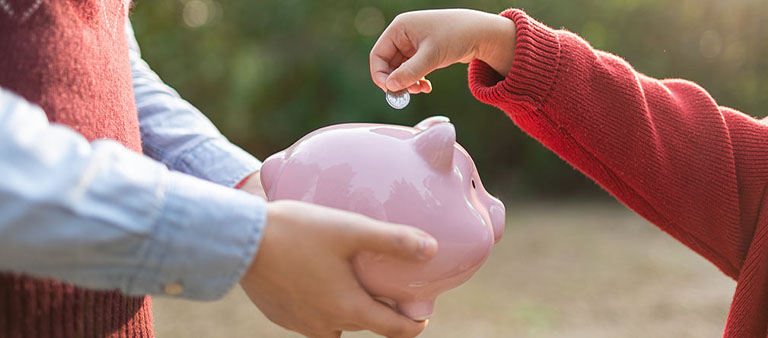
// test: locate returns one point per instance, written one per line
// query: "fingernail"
(427, 247)
(392, 84)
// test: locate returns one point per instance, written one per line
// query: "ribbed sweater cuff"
(533, 71)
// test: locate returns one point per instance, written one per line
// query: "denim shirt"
(101, 216)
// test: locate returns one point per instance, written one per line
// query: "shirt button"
(173, 289)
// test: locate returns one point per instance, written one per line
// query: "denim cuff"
(202, 243)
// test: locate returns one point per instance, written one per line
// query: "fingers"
(423, 86)
(379, 71)
(426, 86)
(381, 58)
(363, 233)
(400, 61)
(412, 69)
(397, 240)
(381, 319)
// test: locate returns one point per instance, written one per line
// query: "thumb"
(397, 240)
(412, 70)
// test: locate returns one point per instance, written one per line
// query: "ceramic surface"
(414, 176)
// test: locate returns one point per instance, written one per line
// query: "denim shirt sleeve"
(178, 134)
(99, 215)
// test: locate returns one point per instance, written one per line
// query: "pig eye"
(473, 185)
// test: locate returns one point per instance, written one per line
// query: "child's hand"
(302, 277)
(416, 43)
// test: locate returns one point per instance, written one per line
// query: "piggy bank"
(413, 176)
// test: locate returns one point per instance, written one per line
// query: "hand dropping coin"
(399, 99)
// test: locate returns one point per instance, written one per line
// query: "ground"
(586, 269)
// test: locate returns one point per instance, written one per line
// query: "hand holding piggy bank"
(414, 176)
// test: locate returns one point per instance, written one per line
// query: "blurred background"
(267, 72)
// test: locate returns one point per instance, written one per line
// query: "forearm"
(176, 133)
(497, 43)
(101, 216)
(664, 148)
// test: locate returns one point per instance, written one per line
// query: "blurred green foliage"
(269, 71)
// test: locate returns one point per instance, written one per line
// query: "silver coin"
(398, 100)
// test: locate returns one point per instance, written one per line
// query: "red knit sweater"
(662, 147)
(71, 58)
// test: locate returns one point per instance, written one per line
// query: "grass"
(562, 270)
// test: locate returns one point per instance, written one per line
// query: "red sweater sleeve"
(662, 147)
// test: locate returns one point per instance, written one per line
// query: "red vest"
(71, 58)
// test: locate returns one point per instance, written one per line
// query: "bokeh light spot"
(197, 13)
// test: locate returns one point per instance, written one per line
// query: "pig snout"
(497, 214)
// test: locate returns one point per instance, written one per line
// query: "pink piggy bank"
(414, 176)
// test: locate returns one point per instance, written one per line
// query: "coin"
(398, 100)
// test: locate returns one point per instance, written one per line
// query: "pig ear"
(431, 121)
(435, 145)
